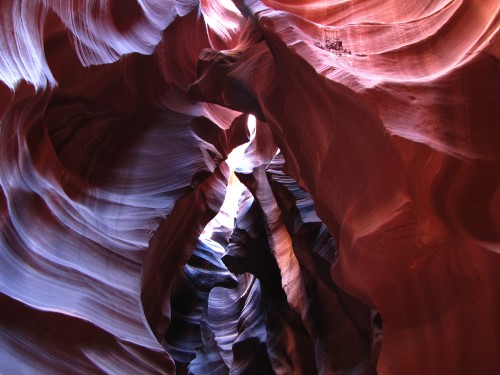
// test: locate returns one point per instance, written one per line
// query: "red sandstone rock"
(115, 121)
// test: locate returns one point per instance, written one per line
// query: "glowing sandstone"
(115, 120)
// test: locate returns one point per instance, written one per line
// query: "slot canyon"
(215, 187)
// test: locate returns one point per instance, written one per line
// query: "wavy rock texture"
(365, 237)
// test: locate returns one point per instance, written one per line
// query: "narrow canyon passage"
(249, 187)
(268, 235)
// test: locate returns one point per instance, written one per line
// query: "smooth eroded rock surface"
(249, 187)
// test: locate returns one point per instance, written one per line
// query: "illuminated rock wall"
(366, 239)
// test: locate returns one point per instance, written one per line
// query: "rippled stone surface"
(366, 235)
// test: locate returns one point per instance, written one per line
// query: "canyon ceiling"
(250, 187)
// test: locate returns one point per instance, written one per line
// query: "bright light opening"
(229, 209)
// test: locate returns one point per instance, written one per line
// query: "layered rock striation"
(249, 187)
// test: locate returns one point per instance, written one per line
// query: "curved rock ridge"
(339, 325)
(189, 301)
(268, 328)
(402, 205)
(249, 187)
(90, 168)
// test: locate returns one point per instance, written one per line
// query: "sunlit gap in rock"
(229, 209)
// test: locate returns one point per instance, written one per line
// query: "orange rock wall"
(368, 233)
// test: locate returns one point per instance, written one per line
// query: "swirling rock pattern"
(367, 243)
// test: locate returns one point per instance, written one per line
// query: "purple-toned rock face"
(249, 187)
